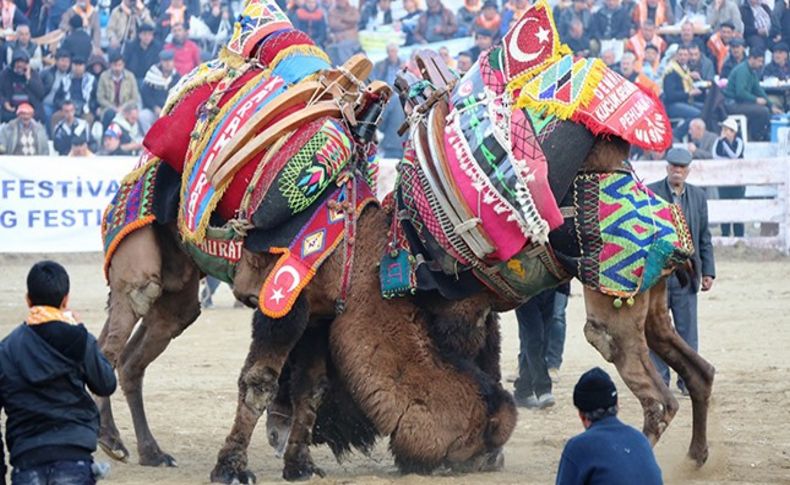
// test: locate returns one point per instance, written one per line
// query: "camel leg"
(619, 335)
(279, 414)
(135, 280)
(272, 342)
(696, 372)
(170, 315)
(309, 384)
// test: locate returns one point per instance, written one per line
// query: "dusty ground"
(745, 333)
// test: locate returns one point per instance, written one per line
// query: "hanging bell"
(630, 301)
(618, 303)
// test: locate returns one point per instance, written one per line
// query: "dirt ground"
(744, 331)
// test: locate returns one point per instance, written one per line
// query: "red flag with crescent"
(531, 42)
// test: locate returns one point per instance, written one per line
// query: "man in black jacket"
(611, 22)
(694, 203)
(140, 55)
(45, 364)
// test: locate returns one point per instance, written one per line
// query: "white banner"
(55, 204)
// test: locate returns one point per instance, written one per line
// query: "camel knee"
(599, 337)
(501, 422)
(142, 297)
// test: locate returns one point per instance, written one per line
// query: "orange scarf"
(85, 14)
(492, 24)
(43, 314)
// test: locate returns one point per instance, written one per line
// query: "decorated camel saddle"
(490, 174)
(266, 147)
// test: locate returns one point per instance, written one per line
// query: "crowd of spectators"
(90, 76)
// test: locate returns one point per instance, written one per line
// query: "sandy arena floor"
(745, 333)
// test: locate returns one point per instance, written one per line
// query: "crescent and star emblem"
(277, 294)
(514, 49)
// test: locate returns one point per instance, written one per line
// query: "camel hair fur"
(425, 395)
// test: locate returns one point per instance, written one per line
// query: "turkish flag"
(531, 42)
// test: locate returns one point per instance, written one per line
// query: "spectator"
(683, 298)
(535, 318)
(408, 23)
(577, 39)
(610, 59)
(124, 21)
(652, 59)
(435, 24)
(778, 67)
(729, 146)
(611, 22)
(646, 36)
(489, 19)
(343, 20)
(630, 71)
(23, 42)
(577, 11)
(444, 54)
(186, 53)
(81, 90)
(722, 12)
(464, 62)
(90, 20)
(19, 83)
(701, 140)
(77, 43)
(608, 451)
(158, 81)
(687, 37)
(57, 81)
(656, 10)
(68, 128)
(679, 92)
(391, 143)
(46, 362)
(97, 64)
(111, 144)
(466, 16)
(140, 55)
(758, 26)
(127, 125)
(782, 19)
(745, 95)
(690, 8)
(175, 14)
(484, 39)
(512, 11)
(12, 17)
(386, 70)
(55, 12)
(375, 14)
(79, 148)
(116, 88)
(311, 20)
(736, 55)
(719, 44)
(23, 135)
(218, 14)
(700, 66)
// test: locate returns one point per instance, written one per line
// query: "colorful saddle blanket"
(131, 208)
(628, 237)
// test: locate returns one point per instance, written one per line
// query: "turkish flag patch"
(531, 42)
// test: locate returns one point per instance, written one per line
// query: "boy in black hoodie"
(45, 364)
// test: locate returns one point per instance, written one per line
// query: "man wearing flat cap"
(609, 451)
(683, 299)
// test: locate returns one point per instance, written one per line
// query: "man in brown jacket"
(343, 34)
(117, 87)
(436, 24)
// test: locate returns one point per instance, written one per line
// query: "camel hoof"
(302, 472)
(114, 449)
(699, 456)
(158, 459)
(221, 475)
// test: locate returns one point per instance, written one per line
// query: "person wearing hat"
(111, 143)
(158, 81)
(608, 452)
(57, 81)
(50, 365)
(736, 53)
(143, 53)
(23, 135)
(694, 204)
(117, 87)
(19, 84)
(778, 68)
(730, 146)
(744, 95)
